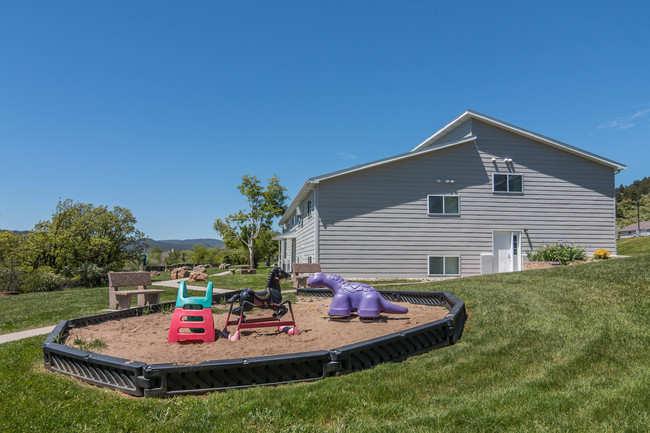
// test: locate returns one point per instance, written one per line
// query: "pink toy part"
(191, 326)
(234, 337)
(289, 330)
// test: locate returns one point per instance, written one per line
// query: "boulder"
(200, 269)
(154, 273)
(197, 276)
(180, 273)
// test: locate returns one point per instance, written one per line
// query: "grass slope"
(634, 246)
(564, 349)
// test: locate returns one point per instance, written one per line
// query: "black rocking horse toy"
(271, 298)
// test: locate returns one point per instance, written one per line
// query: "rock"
(197, 276)
(154, 273)
(200, 269)
(224, 266)
(180, 273)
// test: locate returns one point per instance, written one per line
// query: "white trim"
(443, 204)
(523, 187)
(519, 264)
(469, 114)
(316, 220)
(444, 274)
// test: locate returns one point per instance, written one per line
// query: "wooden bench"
(122, 298)
(303, 268)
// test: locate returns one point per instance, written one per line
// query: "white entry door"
(507, 251)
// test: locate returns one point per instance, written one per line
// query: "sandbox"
(135, 357)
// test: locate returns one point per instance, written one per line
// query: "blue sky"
(161, 107)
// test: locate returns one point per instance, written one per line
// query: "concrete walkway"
(6, 338)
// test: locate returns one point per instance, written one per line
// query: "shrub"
(559, 252)
(43, 279)
(236, 256)
(601, 254)
(91, 275)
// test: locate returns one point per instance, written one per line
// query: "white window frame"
(508, 183)
(443, 204)
(444, 274)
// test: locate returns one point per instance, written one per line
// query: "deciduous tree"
(264, 204)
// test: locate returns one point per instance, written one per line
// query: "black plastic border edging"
(160, 380)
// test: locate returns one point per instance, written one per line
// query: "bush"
(91, 275)
(236, 257)
(559, 252)
(43, 279)
(601, 254)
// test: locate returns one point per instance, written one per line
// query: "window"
(284, 249)
(444, 204)
(308, 259)
(298, 219)
(444, 265)
(309, 207)
(507, 182)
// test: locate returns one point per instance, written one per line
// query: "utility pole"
(638, 220)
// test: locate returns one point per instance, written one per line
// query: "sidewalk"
(6, 338)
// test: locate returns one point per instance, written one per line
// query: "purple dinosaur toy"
(349, 297)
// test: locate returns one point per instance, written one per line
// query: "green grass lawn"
(634, 246)
(562, 349)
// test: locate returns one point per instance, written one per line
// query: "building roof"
(645, 225)
(434, 143)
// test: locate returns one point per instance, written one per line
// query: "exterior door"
(293, 253)
(507, 251)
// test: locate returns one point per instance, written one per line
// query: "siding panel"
(374, 223)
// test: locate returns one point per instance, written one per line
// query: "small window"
(298, 219)
(444, 265)
(444, 204)
(309, 207)
(308, 259)
(507, 183)
(284, 249)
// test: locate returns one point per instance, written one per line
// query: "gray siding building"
(471, 199)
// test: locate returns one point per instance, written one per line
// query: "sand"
(144, 338)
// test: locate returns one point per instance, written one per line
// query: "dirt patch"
(144, 338)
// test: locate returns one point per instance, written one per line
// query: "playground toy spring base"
(274, 321)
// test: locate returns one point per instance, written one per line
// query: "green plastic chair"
(193, 302)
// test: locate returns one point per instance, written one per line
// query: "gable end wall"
(374, 223)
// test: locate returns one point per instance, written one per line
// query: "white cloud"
(627, 122)
(346, 156)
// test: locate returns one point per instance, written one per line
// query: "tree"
(264, 204)
(173, 258)
(201, 254)
(265, 245)
(154, 255)
(81, 233)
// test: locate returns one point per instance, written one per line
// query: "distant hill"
(183, 244)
